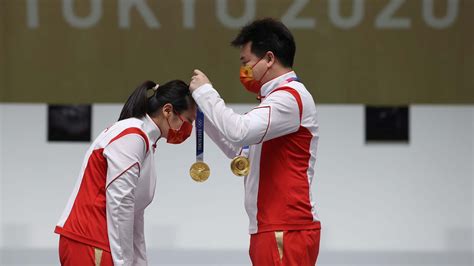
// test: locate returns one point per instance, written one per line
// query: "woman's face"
(188, 115)
(175, 120)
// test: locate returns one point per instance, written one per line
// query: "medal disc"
(240, 166)
(199, 171)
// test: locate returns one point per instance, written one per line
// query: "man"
(282, 133)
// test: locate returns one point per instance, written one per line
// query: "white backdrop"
(415, 197)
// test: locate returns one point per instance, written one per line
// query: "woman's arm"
(124, 156)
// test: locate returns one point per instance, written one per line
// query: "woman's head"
(170, 105)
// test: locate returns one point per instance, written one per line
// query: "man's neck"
(275, 73)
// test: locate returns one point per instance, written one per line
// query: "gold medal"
(240, 166)
(200, 171)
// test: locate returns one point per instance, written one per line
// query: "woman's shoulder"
(120, 129)
(124, 124)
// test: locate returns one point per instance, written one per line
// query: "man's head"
(267, 46)
(268, 35)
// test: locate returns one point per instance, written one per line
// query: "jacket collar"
(275, 83)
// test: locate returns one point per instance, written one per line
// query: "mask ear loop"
(259, 97)
(180, 118)
(260, 80)
(264, 73)
(257, 62)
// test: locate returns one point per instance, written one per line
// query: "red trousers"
(287, 248)
(73, 253)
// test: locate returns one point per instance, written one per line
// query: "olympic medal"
(240, 166)
(200, 171)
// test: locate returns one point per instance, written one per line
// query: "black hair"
(141, 102)
(268, 35)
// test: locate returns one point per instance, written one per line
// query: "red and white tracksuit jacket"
(283, 136)
(116, 183)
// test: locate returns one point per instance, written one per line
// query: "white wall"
(375, 197)
(397, 197)
(472, 194)
(1, 174)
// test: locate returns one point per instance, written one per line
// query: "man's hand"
(197, 80)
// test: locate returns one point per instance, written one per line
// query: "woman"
(103, 220)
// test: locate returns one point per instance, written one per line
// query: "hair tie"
(156, 87)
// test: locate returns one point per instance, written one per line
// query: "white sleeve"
(229, 149)
(123, 170)
(285, 114)
(278, 115)
(139, 246)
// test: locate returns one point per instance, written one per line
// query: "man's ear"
(270, 58)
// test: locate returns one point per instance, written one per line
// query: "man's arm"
(278, 115)
(229, 149)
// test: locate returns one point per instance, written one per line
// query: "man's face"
(247, 58)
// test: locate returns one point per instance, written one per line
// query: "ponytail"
(136, 105)
(141, 102)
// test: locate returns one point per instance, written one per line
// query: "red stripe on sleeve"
(133, 130)
(296, 95)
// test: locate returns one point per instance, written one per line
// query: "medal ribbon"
(199, 135)
(290, 80)
(244, 151)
